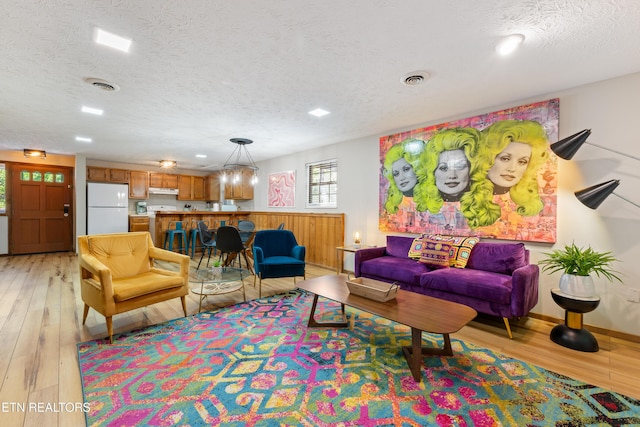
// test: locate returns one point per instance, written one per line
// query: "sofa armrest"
(91, 267)
(524, 289)
(298, 252)
(173, 257)
(363, 255)
(258, 255)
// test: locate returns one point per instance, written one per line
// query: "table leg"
(415, 353)
(312, 323)
(201, 297)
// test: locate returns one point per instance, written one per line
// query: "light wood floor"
(41, 323)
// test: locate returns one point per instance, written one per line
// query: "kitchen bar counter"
(188, 218)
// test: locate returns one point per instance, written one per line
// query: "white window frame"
(332, 165)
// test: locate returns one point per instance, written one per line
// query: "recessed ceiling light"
(83, 139)
(202, 156)
(105, 38)
(96, 111)
(319, 112)
(509, 44)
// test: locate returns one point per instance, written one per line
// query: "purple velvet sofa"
(498, 279)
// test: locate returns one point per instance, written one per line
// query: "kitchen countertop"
(202, 213)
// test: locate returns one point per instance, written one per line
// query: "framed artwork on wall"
(282, 190)
(491, 175)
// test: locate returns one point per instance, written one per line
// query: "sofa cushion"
(126, 254)
(393, 269)
(479, 284)
(503, 258)
(435, 253)
(398, 246)
(144, 284)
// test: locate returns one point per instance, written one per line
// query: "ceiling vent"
(102, 84)
(415, 78)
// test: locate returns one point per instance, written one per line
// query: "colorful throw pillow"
(435, 253)
(415, 252)
(460, 248)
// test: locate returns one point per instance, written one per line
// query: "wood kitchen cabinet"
(191, 187)
(97, 174)
(242, 189)
(212, 188)
(138, 223)
(138, 185)
(100, 174)
(163, 180)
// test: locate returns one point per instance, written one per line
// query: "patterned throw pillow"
(460, 248)
(416, 248)
(435, 253)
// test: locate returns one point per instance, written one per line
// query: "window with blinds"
(322, 184)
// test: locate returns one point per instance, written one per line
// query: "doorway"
(41, 209)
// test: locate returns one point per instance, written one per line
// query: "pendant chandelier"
(234, 166)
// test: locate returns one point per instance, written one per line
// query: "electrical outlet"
(633, 295)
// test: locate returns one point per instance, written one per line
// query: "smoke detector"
(102, 84)
(415, 78)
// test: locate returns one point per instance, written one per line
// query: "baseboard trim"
(595, 329)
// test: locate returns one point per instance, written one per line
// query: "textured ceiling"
(201, 72)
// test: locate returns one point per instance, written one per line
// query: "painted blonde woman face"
(510, 165)
(404, 176)
(452, 172)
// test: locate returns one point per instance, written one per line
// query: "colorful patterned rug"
(257, 364)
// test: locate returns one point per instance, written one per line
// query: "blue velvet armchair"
(276, 253)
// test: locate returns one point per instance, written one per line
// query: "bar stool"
(193, 235)
(175, 229)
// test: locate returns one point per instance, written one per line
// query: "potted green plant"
(577, 264)
(217, 269)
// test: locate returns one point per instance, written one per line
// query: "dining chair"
(192, 239)
(229, 243)
(207, 241)
(246, 228)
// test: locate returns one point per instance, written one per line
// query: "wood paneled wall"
(319, 233)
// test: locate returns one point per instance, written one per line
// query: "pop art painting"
(491, 175)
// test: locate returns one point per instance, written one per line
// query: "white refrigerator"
(107, 208)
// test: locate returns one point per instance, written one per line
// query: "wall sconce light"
(593, 196)
(40, 154)
(567, 147)
(356, 239)
(168, 164)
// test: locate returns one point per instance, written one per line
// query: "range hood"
(170, 191)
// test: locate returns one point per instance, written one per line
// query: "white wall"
(609, 108)
(4, 235)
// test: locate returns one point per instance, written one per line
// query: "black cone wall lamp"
(593, 196)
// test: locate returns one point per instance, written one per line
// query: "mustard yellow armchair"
(118, 274)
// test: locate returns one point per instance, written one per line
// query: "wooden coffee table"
(419, 312)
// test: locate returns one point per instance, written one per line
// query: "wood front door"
(41, 210)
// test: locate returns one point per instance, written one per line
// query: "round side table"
(572, 334)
